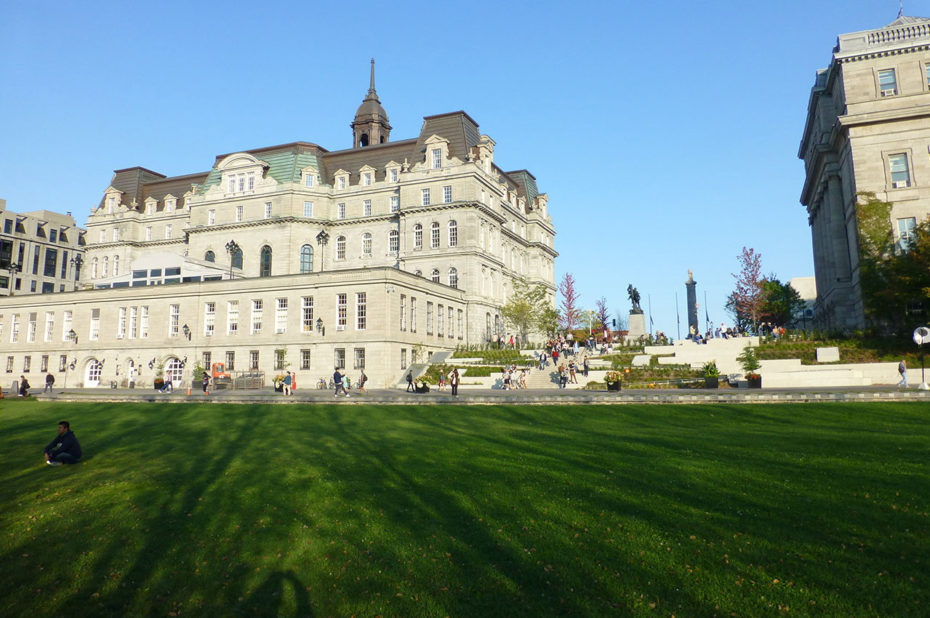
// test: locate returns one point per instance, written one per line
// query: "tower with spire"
(371, 125)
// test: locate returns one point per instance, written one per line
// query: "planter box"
(615, 386)
(711, 382)
(755, 382)
(159, 384)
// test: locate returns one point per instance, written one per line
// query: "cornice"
(881, 53)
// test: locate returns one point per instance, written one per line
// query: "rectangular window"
(168, 231)
(253, 359)
(115, 234)
(341, 311)
(251, 181)
(424, 197)
(413, 314)
(447, 194)
(27, 364)
(35, 261)
(9, 364)
(51, 262)
(306, 314)
(267, 210)
(257, 309)
(887, 83)
(341, 210)
(900, 171)
(439, 321)
(144, 322)
(241, 179)
(927, 71)
(64, 264)
(148, 233)
(31, 328)
(361, 311)
(102, 236)
(66, 326)
(121, 323)
(232, 317)
(436, 158)
(174, 320)
(339, 357)
(429, 318)
(133, 322)
(403, 358)
(53, 235)
(280, 316)
(395, 203)
(403, 312)
(359, 361)
(62, 362)
(230, 360)
(94, 324)
(366, 208)
(209, 319)
(211, 217)
(906, 230)
(453, 233)
(341, 182)
(49, 325)
(308, 179)
(206, 361)
(393, 175)
(450, 333)
(238, 214)
(14, 328)
(366, 179)
(308, 209)
(305, 359)
(43, 364)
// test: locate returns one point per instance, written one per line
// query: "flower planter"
(613, 386)
(159, 384)
(711, 382)
(755, 382)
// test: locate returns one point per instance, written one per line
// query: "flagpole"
(677, 316)
(706, 314)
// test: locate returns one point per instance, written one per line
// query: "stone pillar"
(691, 287)
(637, 325)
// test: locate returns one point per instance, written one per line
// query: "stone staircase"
(418, 369)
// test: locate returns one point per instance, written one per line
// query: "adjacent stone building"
(296, 257)
(867, 130)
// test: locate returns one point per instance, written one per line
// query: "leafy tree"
(781, 301)
(747, 299)
(527, 308)
(570, 313)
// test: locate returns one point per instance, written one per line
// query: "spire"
(371, 125)
(371, 88)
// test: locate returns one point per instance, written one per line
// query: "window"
(43, 363)
(453, 278)
(308, 209)
(305, 359)
(906, 229)
(927, 71)
(424, 197)
(393, 175)
(393, 241)
(417, 236)
(341, 311)
(341, 210)
(211, 217)
(232, 317)
(366, 179)
(265, 263)
(359, 358)
(209, 256)
(366, 244)
(453, 234)
(341, 182)
(366, 208)
(403, 312)
(257, 309)
(115, 234)
(62, 362)
(308, 179)
(102, 236)
(106, 266)
(94, 324)
(133, 322)
(168, 231)
(230, 360)
(206, 360)
(487, 326)
(449, 325)
(439, 320)
(49, 325)
(27, 364)
(395, 203)
(435, 158)
(253, 359)
(280, 316)
(306, 314)
(209, 319)
(429, 318)
(280, 359)
(341, 248)
(14, 328)
(434, 235)
(93, 269)
(236, 259)
(267, 210)
(51, 262)
(9, 364)
(306, 259)
(238, 214)
(900, 171)
(169, 204)
(447, 194)
(434, 276)
(111, 202)
(339, 357)
(144, 322)
(413, 314)
(66, 326)
(121, 323)
(361, 311)
(251, 181)
(174, 320)
(148, 233)
(887, 83)
(403, 358)
(115, 265)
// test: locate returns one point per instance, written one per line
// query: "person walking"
(442, 380)
(586, 365)
(337, 380)
(205, 382)
(410, 388)
(23, 386)
(571, 372)
(49, 382)
(902, 370)
(287, 384)
(454, 381)
(361, 382)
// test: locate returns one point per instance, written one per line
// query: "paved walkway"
(498, 397)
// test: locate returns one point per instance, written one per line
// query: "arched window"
(175, 370)
(209, 256)
(434, 235)
(434, 276)
(417, 236)
(453, 234)
(394, 241)
(93, 269)
(106, 266)
(341, 248)
(236, 259)
(306, 259)
(487, 326)
(366, 244)
(265, 262)
(115, 265)
(453, 278)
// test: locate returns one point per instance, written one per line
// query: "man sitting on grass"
(64, 448)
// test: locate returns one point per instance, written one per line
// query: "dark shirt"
(66, 443)
(337, 377)
(49, 379)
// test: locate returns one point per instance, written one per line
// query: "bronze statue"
(634, 298)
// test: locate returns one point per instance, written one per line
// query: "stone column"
(691, 287)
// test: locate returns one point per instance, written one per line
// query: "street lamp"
(319, 327)
(187, 331)
(76, 261)
(232, 248)
(322, 238)
(14, 268)
(72, 336)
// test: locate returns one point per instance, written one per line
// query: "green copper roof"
(284, 166)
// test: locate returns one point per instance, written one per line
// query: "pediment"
(240, 160)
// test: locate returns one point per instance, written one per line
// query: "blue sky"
(665, 133)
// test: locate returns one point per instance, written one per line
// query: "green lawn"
(467, 511)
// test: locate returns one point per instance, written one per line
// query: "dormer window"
(394, 174)
(342, 180)
(111, 204)
(435, 158)
(366, 179)
(170, 203)
(308, 180)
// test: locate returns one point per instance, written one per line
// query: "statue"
(634, 298)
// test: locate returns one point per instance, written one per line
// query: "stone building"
(297, 257)
(40, 252)
(867, 130)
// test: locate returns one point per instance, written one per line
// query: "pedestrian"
(454, 381)
(523, 379)
(337, 380)
(571, 372)
(49, 382)
(410, 388)
(205, 382)
(902, 370)
(23, 386)
(287, 384)
(361, 382)
(442, 380)
(586, 365)
(506, 379)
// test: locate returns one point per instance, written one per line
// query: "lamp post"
(232, 248)
(73, 338)
(322, 238)
(187, 331)
(14, 268)
(77, 261)
(320, 328)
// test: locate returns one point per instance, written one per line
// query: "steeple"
(371, 125)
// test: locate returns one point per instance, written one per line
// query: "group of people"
(453, 381)
(511, 380)
(341, 382)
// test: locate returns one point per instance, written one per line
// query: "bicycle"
(321, 385)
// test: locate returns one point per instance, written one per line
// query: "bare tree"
(749, 296)
(602, 314)
(569, 306)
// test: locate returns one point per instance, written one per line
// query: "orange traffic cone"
(188, 391)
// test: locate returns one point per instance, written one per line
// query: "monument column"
(691, 287)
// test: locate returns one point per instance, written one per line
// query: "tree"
(747, 299)
(570, 313)
(601, 313)
(527, 308)
(781, 301)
